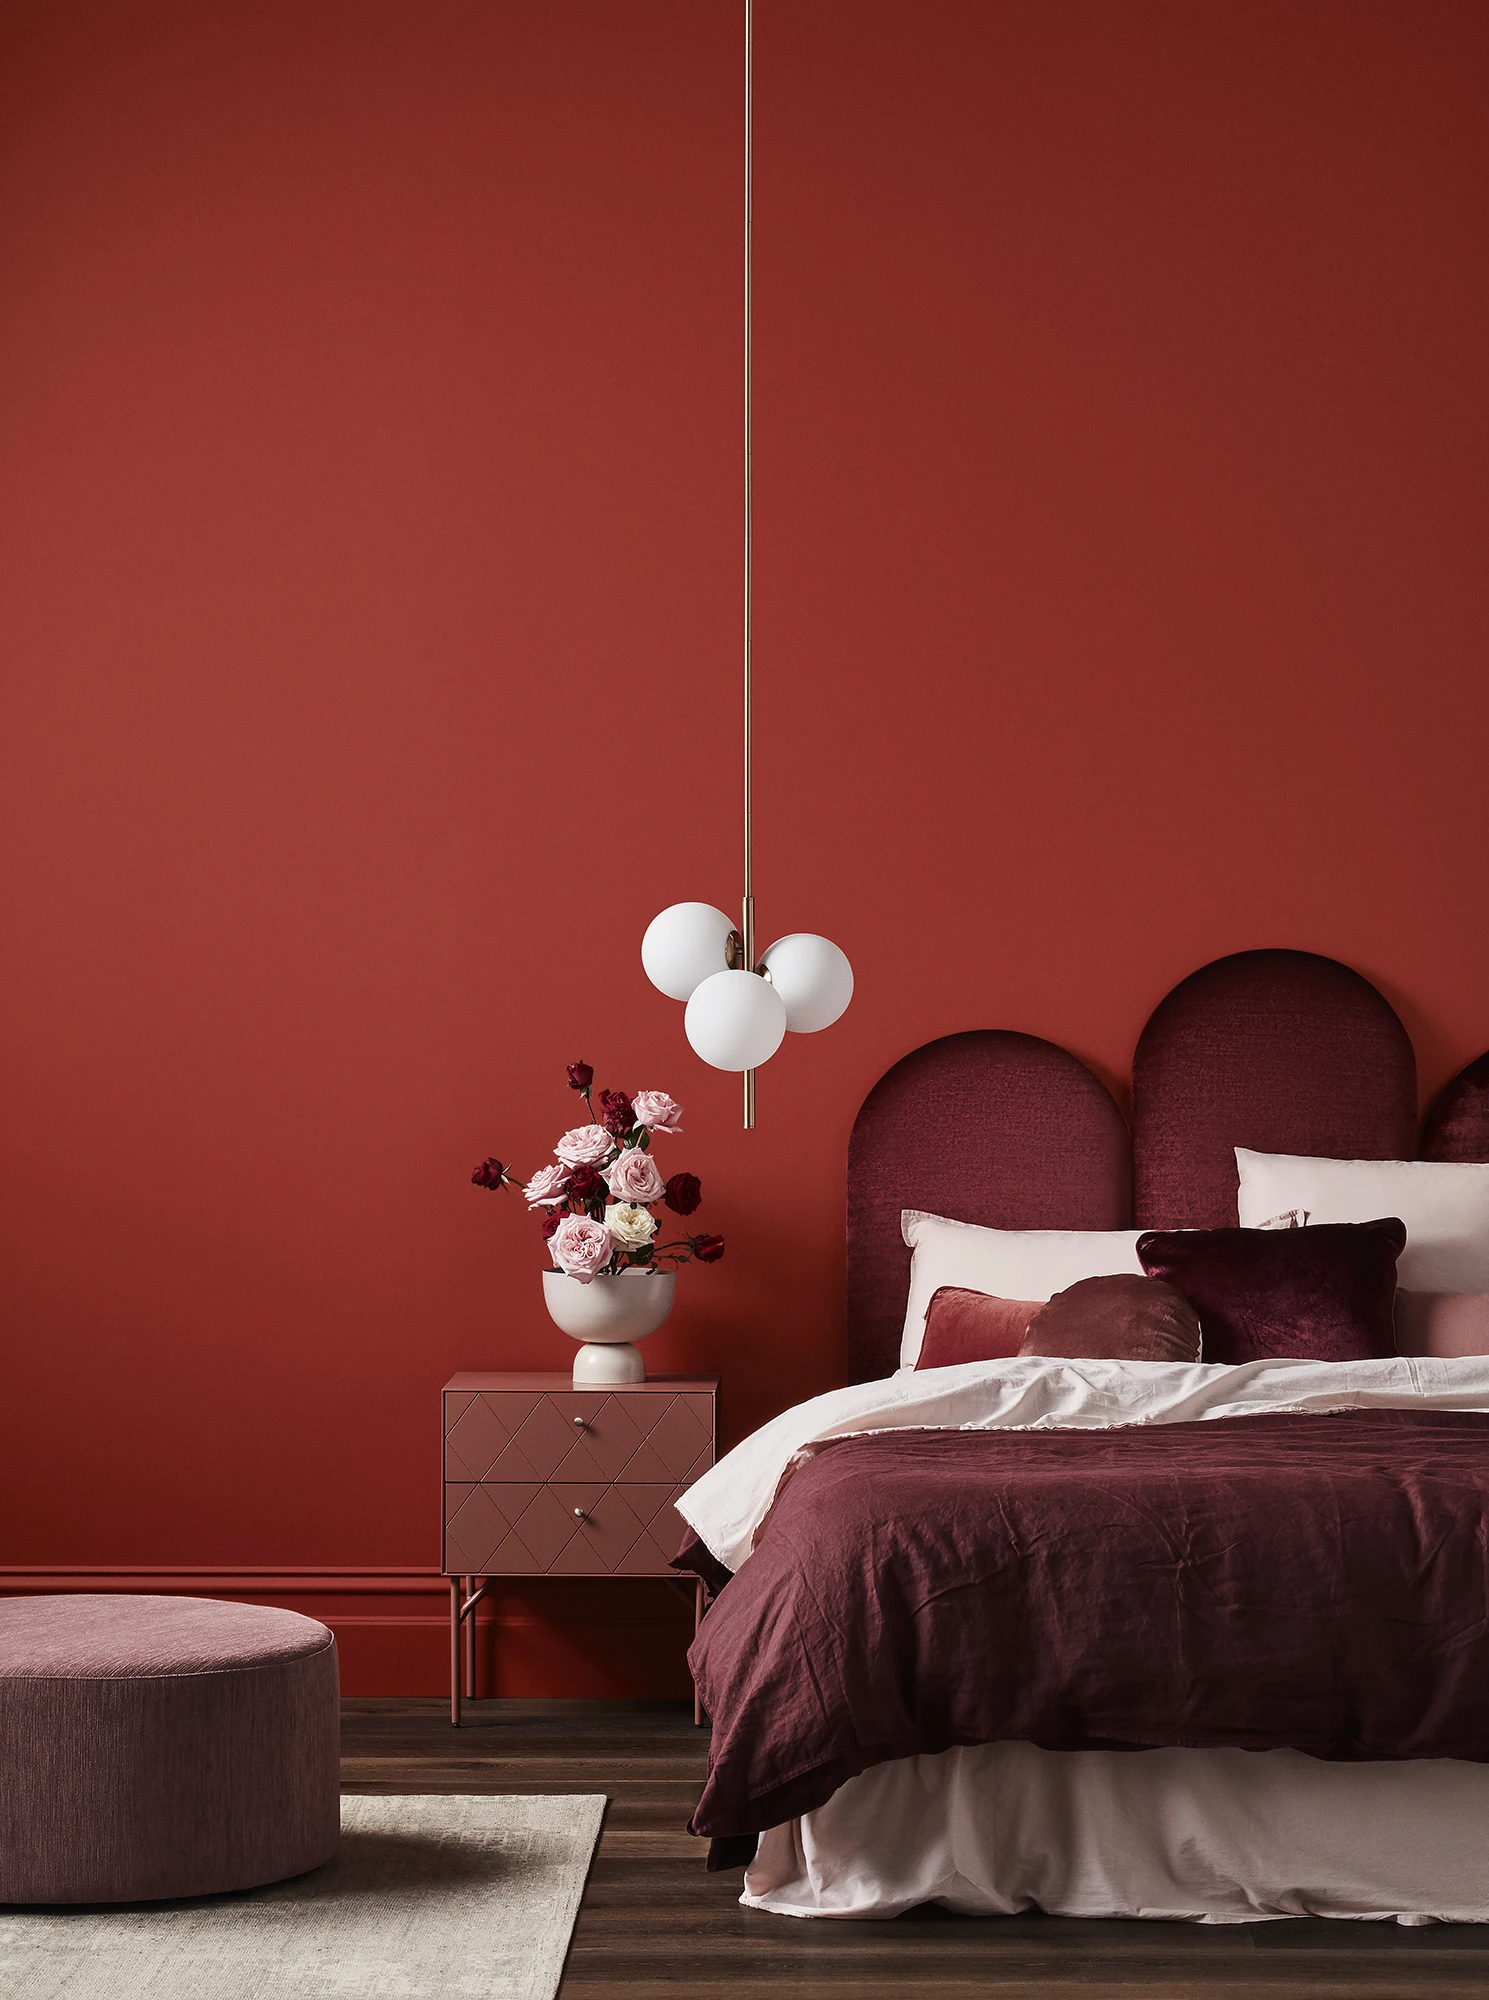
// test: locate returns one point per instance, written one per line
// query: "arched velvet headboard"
(991, 1127)
(1281, 1051)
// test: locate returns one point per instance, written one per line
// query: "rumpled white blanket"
(1036, 1392)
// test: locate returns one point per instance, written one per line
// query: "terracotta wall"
(369, 381)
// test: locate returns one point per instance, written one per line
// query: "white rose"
(630, 1225)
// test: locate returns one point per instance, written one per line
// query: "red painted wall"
(369, 382)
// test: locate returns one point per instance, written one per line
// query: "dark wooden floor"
(654, 1924)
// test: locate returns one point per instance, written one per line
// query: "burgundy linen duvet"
(1314, 1582)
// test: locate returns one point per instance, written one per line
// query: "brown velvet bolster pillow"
(1121, 1318)
(972, 1326)
(1324, 1293)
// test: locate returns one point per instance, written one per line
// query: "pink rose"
(580, 1248)
(634, 1177)
(656, 1109)
(547, 1186)
(585, 1146)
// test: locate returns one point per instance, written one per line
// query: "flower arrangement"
(599, 1201)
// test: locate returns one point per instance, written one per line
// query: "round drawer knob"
(578, 1513)
(580, 1422)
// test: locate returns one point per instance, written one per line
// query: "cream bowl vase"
(608, 1315)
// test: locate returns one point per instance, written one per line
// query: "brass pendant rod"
(748, 924)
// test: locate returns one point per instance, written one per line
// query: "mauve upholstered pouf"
(162, 1746)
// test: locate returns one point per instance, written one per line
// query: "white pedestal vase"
(608, 1315)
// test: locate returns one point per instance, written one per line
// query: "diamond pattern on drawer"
(661, 1531)
(478, 1524)
(505, 1436)
(548, 1524)
(626, 1438)
(605, 1443)
(477, 1433)
(533, 1530)
(679, 1438)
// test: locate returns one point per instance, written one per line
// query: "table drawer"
(531, 1528)
(586, 1435)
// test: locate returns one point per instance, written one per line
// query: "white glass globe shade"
(813, 978)
(683, 946)
(736, 1020)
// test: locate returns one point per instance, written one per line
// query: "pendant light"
(739, 1011)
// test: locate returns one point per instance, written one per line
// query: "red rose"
(584, 1183)
(551, 1221)
(683, 1193)
(490, 1174)
(617, 1113)
(708, 1249)
(581, 1076)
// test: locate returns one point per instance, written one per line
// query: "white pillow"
(1006, 1263)
(1445, 1206)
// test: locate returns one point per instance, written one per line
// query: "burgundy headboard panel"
(1280, 1051)
(990, 1127)
(1457, 1126)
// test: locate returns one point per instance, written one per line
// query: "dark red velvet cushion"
(961, 1325)
(1325, 1293)
(1120, 1318)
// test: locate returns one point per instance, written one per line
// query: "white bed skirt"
(1214, 1836)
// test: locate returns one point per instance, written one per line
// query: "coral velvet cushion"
(962, 1325)
(1120, 1318)
(1443, 1324)
(1325, 1293)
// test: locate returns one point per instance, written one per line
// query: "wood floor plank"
(655, 1926)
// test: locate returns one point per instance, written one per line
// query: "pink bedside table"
(543, 1479)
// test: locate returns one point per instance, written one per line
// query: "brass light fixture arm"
(747, 925)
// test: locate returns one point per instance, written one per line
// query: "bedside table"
(543, 1479)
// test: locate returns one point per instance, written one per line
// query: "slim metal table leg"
(454, 1652)
(470, 1641)
(697, 1621)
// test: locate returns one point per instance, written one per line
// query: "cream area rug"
(429, 1898)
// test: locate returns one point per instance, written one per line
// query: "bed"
(1106, 1639)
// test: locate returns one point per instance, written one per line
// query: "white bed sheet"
(1214, 1836)
(728, 1505)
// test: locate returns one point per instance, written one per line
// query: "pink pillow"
(1442, 1323)
(972, 1326)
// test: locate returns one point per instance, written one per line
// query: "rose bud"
(683, 1193)
(617, 1113)
(581, 1076)
(584, 1184)
(490, 1174)
(708, 1249)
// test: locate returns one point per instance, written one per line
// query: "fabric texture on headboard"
(1279, 1051)
(1457, 1126)
(991, 1127)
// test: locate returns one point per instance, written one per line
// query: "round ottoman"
(162, 1746)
